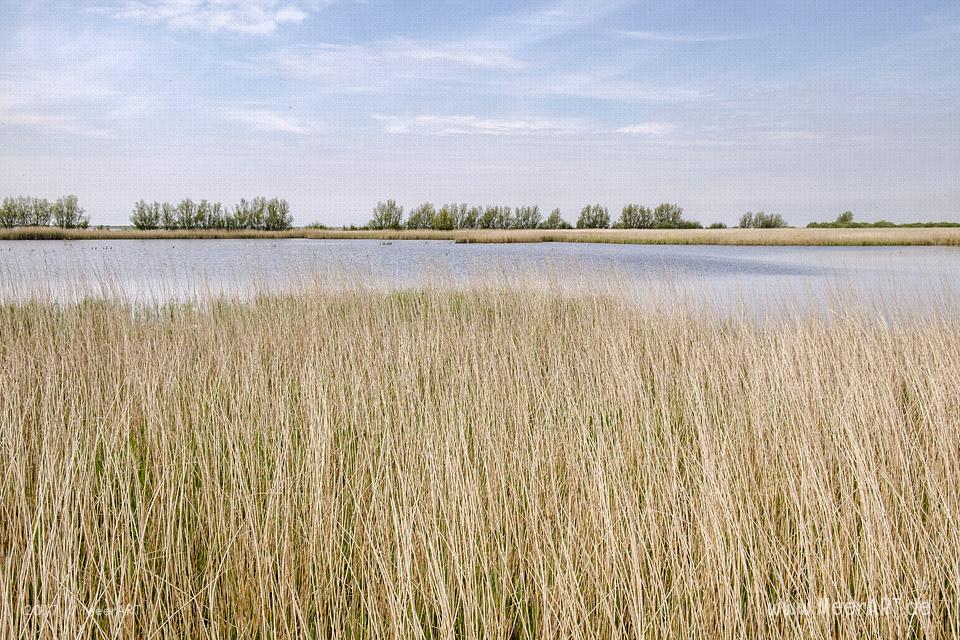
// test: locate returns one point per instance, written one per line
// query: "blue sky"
(803, 108)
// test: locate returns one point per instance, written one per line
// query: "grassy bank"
(477, 464)
(775, 237)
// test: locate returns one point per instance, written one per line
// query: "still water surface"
(913, 278)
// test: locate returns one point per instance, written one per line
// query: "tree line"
(390, 215)
(24, 211)
(274, 215)
(259, 213)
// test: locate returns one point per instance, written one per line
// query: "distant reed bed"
(53, 233)
(482, 463)
(760, 237)
(776, 237)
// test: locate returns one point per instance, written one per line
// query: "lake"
(912, 278)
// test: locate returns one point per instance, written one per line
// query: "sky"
(802, 108)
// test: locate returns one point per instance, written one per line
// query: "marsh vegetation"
(30, 218)
(845, 221)
(901, 236)
(486, 462)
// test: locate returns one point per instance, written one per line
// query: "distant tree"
(250, 214)
(421, 217)
(187, 214)
(258, 213)
(145, 215)
(168, 216)
(387, 215)
(8, 213)
(25, 211)
(470, 218)
(202, 215)
(527, 217)
(770, 221)
(718, 225)
(502, 217)
(594, 216)
(452, 215)
(277, 215)
(156, 214)
(555, 221)
(230, 219)
(496, 218)
(444, 219)
(243, 214)
(459, 211)
(215, 216)
(16, 212)
(667, 216)
(845, 218)
(68, 214)
(40, 212)
(635, 216)
(761, 220)
(487, 218)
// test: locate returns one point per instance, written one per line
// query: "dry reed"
(483, 463)
(947, 236)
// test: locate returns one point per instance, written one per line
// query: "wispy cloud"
(497, 59)
(54, 124)
(485, 67)
(442, 125)
(603, 86)
(384, 63)
(466, 53)
(551, 21)
(61, 82)
(257, 17)
(669, 36)
(655, 129)
(266, 120)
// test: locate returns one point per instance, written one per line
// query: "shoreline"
(931, 236)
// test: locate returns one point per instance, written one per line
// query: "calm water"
(892, 277)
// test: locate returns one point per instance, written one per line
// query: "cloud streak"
(254, 17)
(444, 125)
(272, 121)
(685, 38)
(654, 129)
(385, 63)
(486, 67)
(54, 124)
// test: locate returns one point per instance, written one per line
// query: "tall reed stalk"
(487, 463)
